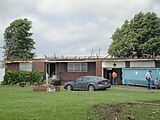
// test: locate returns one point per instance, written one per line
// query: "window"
(25, 66)
(87, 79)
(84, 67)
(79, 79)
(70, 67)
(77, 67)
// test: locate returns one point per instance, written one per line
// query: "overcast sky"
(72, 27)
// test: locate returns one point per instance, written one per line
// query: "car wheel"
(105, 89)
(91, 88)
(69, 87)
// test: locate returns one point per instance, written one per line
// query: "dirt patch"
(115, 112)
(154, 101)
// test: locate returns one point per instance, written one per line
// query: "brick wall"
(61, 69)
(12, 66)
(39, 66)
(99, 68)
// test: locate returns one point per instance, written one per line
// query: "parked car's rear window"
(98, 78)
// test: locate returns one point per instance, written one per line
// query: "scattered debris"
(115, 112)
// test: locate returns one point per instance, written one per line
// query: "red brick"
(12, 66)
(39, 66)
(67, 76)
(99, 68)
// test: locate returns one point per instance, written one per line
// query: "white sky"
(72, 27)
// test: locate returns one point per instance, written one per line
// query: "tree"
(18, 43)
(140, 35)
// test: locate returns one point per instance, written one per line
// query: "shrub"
(18, 84)
(14, 77)
(55, 80)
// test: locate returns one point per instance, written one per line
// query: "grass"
(22, 104)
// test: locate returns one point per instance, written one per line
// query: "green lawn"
(22, 104)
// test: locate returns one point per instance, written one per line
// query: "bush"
(14, 77)
(55, 80)
(18, 84)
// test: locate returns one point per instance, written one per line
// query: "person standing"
(148, 78)
(114, 75)
(157, 83)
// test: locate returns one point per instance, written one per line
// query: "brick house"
(67, 68)
(70, 68)
(26, 65)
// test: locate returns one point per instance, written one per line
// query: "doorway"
(107, 73)
(51, 69)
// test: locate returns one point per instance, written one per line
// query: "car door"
(77, 83)
(85, 83)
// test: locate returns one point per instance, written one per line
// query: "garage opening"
(107, 73)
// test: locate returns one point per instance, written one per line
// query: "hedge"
(14, 77)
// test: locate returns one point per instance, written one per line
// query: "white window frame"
(77, 67)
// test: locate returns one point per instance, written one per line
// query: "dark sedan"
(90, 83)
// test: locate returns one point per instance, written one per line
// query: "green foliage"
(14, 77)
(55, 81)
(140, 35)
(18, 43)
